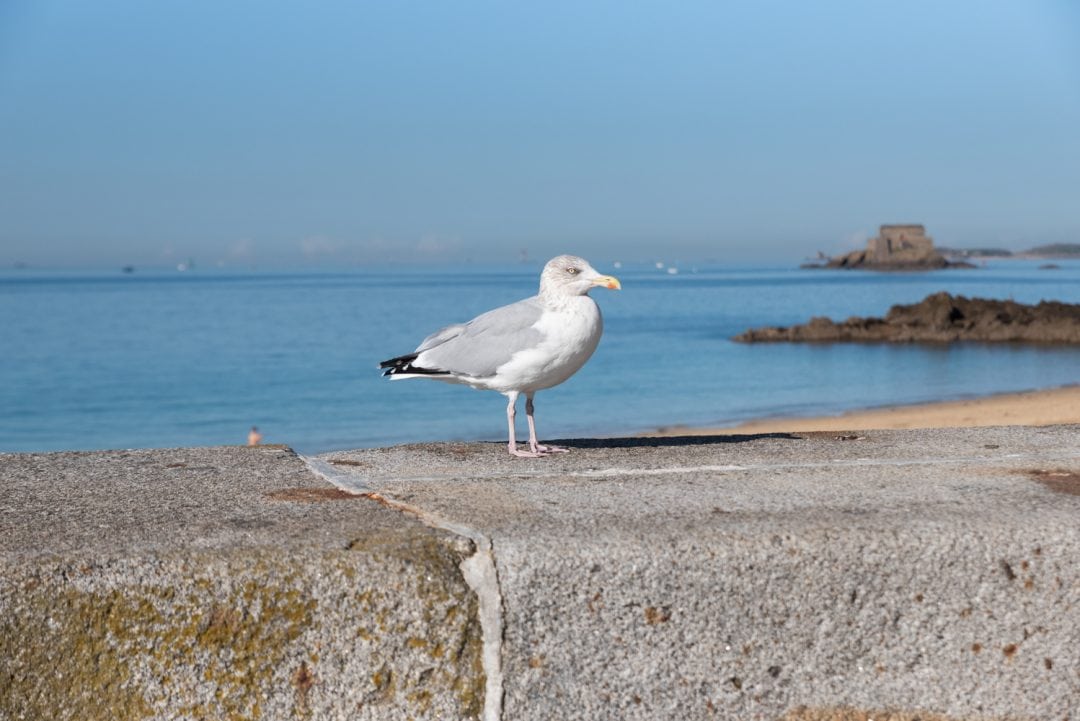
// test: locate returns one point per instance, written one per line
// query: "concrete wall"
(870, 574)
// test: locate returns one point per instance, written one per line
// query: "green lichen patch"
(243, 637)
(237, 645)
(470, 686)
(125, 652)
(441, 652)
(58, 659)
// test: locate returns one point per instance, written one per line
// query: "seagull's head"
(570, 275)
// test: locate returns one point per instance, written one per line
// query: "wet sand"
(1032, 408)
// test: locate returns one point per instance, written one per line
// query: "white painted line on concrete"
(354, 481)
(857, 462)
(609, 472)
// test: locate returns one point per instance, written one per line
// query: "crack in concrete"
(478, 570)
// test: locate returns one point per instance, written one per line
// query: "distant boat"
(128, 269)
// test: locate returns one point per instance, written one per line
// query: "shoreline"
(1045, 407)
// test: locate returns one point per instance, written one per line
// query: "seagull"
(523, 347)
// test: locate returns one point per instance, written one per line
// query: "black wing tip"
(403, 364)
(401, 360)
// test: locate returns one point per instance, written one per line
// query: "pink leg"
(510, 414)
(534, 444)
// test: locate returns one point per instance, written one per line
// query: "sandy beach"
(1032, 408)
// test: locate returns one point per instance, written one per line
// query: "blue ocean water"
(156, 359)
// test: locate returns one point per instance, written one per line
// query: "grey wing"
(483, 344)
(440, 336)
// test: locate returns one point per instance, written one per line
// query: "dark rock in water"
(940, 318)
(864, 260)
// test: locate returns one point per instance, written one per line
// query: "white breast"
(570, 333)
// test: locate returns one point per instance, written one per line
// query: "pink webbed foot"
(547, 450)
(525, 454)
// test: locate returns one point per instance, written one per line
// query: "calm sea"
(159, 359)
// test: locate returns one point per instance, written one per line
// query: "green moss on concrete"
(450, 611)
(239, 644)
(61, 662)
(122, 653)
(207, 640)
(471, 684)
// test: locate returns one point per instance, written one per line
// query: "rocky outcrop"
(916, 260)
(896, 247)
(940, 318)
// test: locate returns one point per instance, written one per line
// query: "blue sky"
(269, 133)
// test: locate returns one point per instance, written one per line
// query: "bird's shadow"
(671, 441)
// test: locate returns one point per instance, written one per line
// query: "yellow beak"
(608, 281)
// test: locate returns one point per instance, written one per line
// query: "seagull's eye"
(572, 271)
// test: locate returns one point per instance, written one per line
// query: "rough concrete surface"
(887, 574)
(223, 583)
(818, 576)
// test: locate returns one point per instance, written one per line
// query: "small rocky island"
(896, 247)
(940, 318)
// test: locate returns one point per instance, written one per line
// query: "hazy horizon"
(640, 256)
(277, 135)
